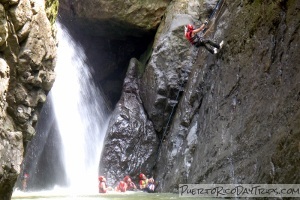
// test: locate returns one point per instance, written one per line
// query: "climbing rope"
(216, 13)
(169, 120)
(217, 10)
(220, 2)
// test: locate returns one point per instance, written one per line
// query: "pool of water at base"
(108, 196)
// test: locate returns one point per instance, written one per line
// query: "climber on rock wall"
(192, 36)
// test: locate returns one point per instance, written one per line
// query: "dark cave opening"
(109, 55)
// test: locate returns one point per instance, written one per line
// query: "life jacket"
(143, 183)
(191, 39)
(102, 187)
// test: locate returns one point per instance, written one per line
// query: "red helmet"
(100, 178)
(190, 27)
(141, 176)
(126, 178)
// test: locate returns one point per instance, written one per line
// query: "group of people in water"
(145, 184)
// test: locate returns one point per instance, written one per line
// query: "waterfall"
(81, 114)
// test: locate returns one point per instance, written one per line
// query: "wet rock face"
(27, 58)
(117, 18)
(238, 118)
(131, 143)
(170, 63)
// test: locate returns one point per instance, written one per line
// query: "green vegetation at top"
(51, 8)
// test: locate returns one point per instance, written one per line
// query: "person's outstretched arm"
(198, 29)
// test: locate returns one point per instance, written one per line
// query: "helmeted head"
(151, 180)
(101, 179)
(26, 175)
(126, 179)
(142, 176)
(189, 27)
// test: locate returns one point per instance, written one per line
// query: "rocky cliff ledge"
(114, 18)
(27, 60)
(236, 119)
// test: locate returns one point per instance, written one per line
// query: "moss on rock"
(51, 8)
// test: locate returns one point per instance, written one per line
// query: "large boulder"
(28, 51)
(131, 142)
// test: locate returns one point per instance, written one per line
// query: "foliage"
(51, 8)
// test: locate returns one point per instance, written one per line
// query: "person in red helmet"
(122, 187)
(102, 184)
(130, 185)
(151, 185)
(24, 181)
(192, 36)
(147, 185)
(143, 181)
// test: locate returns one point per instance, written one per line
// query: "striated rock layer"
(27, 60)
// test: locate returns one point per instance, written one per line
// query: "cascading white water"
(81, 113)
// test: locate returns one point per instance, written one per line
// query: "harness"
(192, 40)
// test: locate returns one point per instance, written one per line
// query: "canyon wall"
(232, 117)
(185, 115)
(27, 60)
(238, 118)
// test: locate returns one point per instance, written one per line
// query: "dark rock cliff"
(237, 119)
